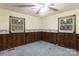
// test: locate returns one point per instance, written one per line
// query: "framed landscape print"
(16, 24)
(67, 24)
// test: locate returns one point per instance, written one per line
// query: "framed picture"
(16, 24)
(67, 24)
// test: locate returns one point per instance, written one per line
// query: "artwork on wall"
(17, 24)
(67, 24)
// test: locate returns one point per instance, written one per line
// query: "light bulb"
(43, 10)
(19, 20)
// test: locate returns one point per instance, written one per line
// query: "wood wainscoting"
(12, 40)
(68, 40)
(77, 42)
(49, 37)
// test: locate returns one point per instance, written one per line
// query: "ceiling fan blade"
(53, 9)
(25, 5)
(52, 4)
(38, 11)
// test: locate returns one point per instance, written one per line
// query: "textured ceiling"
(61, 7)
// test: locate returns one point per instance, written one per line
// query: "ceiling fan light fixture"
(43, 10)
(44, 7)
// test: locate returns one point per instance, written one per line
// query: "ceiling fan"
(40, 5)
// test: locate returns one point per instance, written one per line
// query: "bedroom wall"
(48, 24)
(31, 22)
(51, 22)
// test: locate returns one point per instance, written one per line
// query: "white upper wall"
(31, 22)
(51, 22)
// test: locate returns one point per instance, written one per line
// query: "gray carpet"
(39, 48)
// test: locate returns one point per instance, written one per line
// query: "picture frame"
(16, 24)
(67, 24)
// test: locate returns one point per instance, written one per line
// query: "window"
(17, 24)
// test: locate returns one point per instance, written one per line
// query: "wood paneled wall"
(49, 37)
(68, 40)
(77, 42)
(16, 39)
